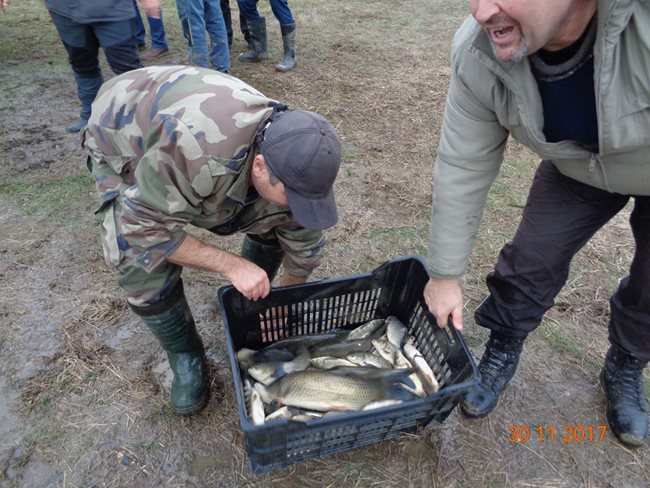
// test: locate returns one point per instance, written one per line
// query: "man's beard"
(516, 56)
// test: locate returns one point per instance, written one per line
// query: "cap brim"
(313, 213)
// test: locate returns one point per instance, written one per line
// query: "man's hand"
(445, 298)
(4, 4)
(248, 278)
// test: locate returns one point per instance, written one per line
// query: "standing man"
(85, 26)
(569, 79)
(176, 145)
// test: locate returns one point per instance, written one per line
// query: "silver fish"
(341, 349)
(329, 362)
(247, 357)
(324, 390)
(385, 349)
(281, 413)
(295, 343)
(381, 403)
(423, 369)
(255, 404)
(418, 387)
(267, 373)
(368, 359)
(395, 331)
(367, 329)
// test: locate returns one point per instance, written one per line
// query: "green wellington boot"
(267, 254)
(172, 323)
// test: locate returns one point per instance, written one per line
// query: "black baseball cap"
(302, 150)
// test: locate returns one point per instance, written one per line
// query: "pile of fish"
(312, 376)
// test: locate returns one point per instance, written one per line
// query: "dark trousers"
(82, 41)
(560, 216)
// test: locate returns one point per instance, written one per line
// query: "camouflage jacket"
(173, 145)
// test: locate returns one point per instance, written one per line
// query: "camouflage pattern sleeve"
(171, 185)
(303, 249)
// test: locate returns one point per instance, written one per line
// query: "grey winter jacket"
(489, 99)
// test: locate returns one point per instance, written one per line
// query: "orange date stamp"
(550, 433)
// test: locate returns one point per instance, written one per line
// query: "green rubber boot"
(172, 323)
(267, 254)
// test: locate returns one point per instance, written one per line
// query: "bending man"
(177, 145)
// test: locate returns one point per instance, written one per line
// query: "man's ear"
(259, 166)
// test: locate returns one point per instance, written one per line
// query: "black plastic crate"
(395, 288)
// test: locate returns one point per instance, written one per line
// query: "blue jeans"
(197, 17)
(82, 42)
(281, 10)
(156, 28)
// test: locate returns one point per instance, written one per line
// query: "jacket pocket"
(110, 234)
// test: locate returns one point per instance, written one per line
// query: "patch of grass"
(568, 346)
(399, 241)
(53, 198)
(164, 412)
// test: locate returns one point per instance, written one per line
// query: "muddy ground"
(83, 386)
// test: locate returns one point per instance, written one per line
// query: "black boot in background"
(497, 367)
(289, 44)
(627, 408)
(257, 31)
(172, 323)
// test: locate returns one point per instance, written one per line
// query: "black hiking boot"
(627, 409)
(497, 368)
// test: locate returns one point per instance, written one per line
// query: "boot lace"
(627, 381)
(499, 355)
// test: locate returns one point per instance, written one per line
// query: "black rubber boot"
(289, 44)
(172, 323)
(257, 30)
(267, 254)
(627, 408)
(497, 367)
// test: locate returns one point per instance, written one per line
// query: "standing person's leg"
(560, 216)
(283, 13)
(216, 27)
(256, 25)
(140, 33)
(227, 18)
(243, 27)
(159, 44)
(629, 335)
(118, 42)
(191, 15)
(83, 54)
